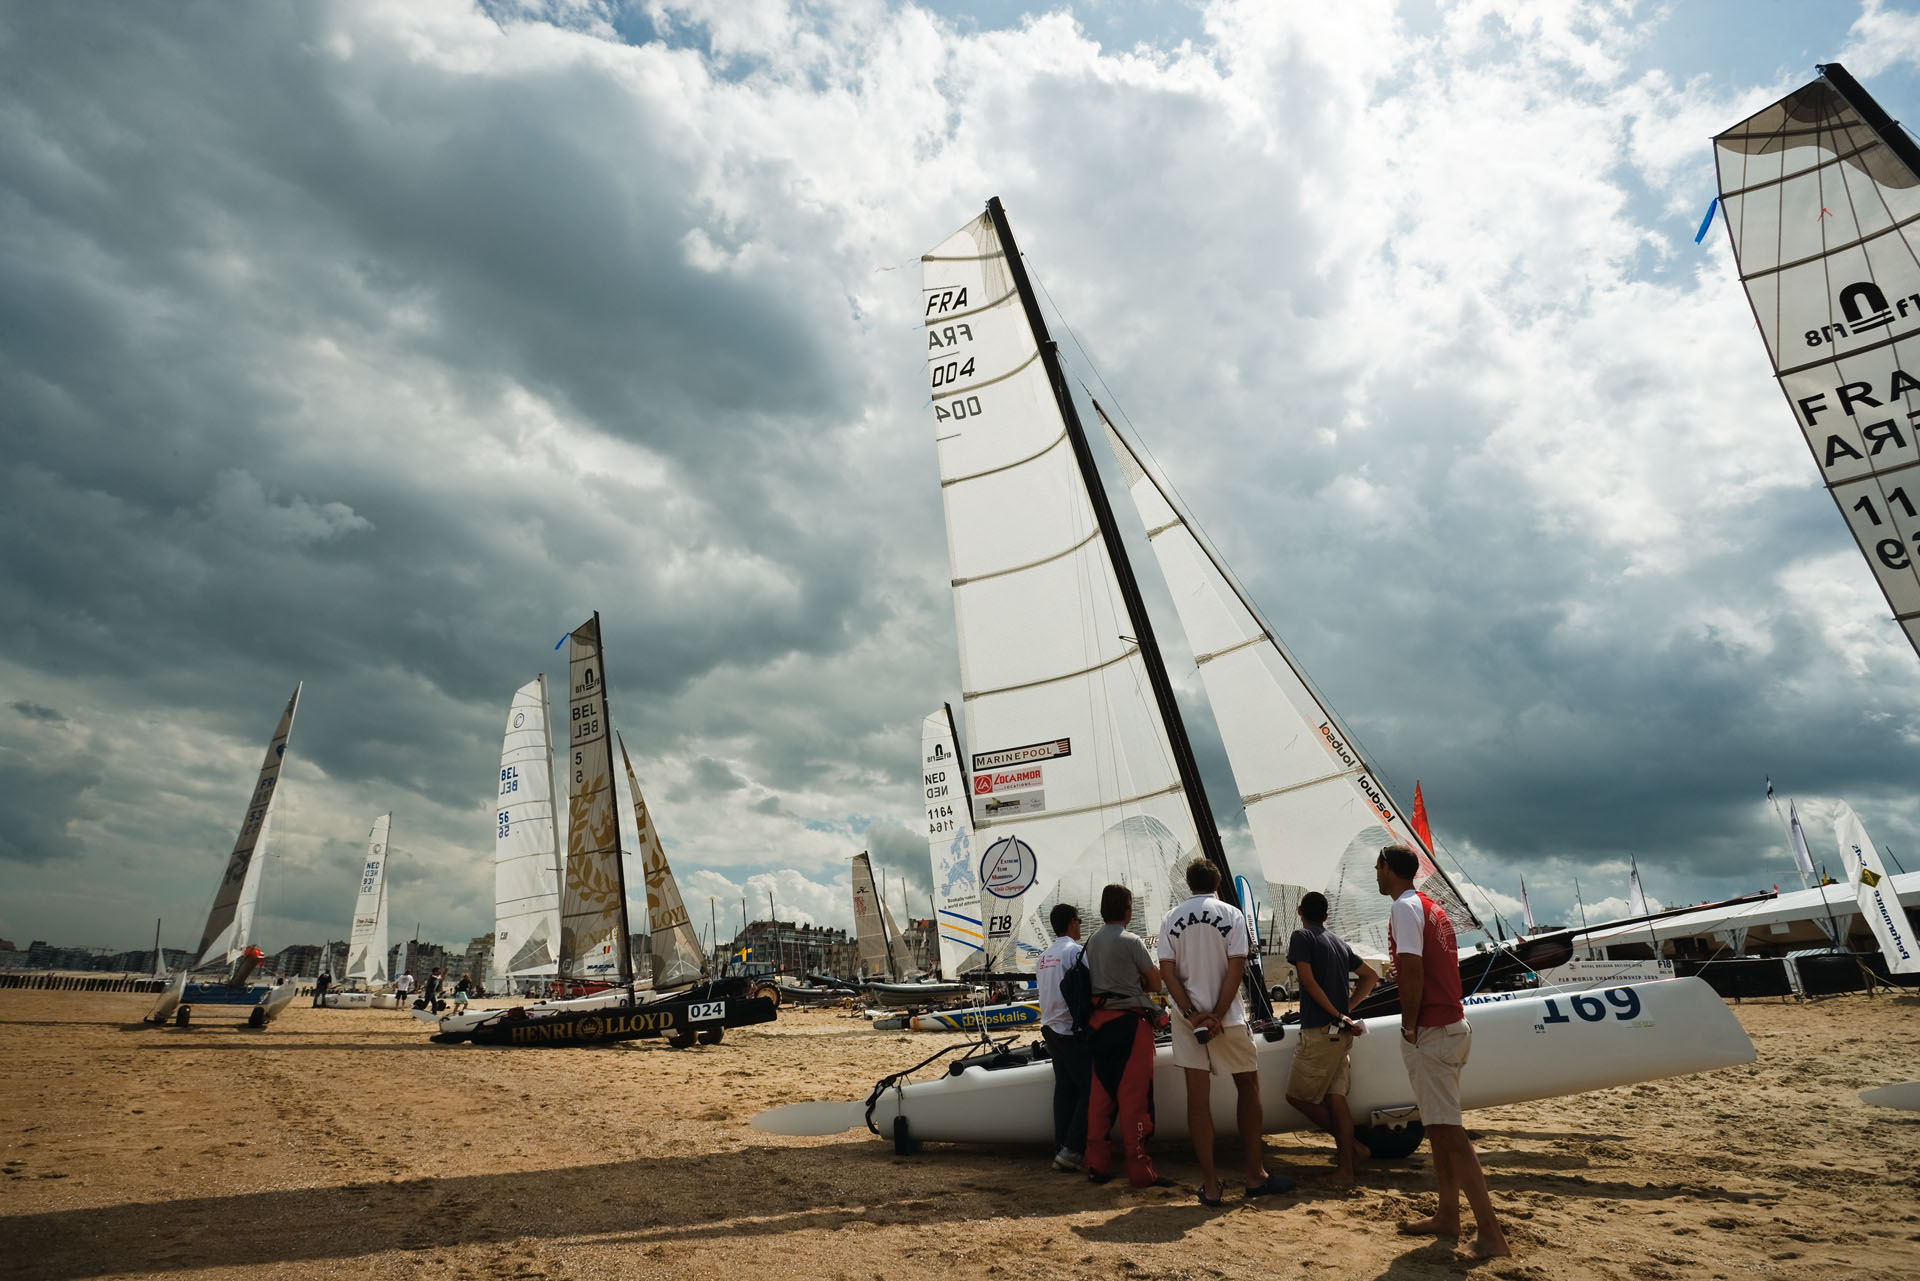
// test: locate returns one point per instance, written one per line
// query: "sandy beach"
(345, 1144)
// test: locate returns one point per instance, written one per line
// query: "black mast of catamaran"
(1203, 823)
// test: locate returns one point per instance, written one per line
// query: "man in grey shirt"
(1121, 1043)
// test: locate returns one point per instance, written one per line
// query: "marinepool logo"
(519, 719)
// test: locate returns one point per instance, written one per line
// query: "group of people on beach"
(1098, 1020)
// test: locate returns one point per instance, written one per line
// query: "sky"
(376, 346)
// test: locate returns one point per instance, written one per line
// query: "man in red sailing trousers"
(1121, 1044)
(1434, 1040)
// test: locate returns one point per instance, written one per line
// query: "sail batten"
(527, 846)
(229, 925)
(1821, 196)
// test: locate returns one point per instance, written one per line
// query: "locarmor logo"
(1863, 309)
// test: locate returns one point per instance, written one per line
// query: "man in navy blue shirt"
(1318, 1084)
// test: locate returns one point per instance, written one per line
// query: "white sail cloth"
(230, 921)
(1069, 753)
(1874, 892)
(1824, 215)
(527, 845)
(950, 849)
(678, 958)
(593, 907)
(1318, 813)
(367, 933)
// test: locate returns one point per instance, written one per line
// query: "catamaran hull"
(912, 996)
(457, 1027)
(991, 1017)
(679, 1019)
(1530, 1047)
(358, 1001)
(263, 1001)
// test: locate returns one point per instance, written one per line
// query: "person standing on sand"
(1066, 1044)
(320, 986)
(432, 990)
(1203, 956)
(1317, 1086)
(1434, 1041)
(1121, 1044)
(403, 990)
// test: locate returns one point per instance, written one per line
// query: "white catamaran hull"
(462, 1024)
(358, 1001)
(1532, 1047)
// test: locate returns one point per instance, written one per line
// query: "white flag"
(1801, 859)
(1525, 906)
(1636, 898)
(1878, 903)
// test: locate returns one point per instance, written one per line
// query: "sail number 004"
(1591, 1009)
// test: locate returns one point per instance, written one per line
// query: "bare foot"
(1492, 1246)
(1429, 1227)
(1361, 1152)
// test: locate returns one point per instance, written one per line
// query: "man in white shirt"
(1203, 955)
(1067, 1045)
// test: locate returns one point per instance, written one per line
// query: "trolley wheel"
(183, 1016)
(257, 1017)
(712, 1035)
(769, 990)
(682, 1040)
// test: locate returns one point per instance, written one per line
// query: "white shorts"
(1434, 1059)
(1230, 1050)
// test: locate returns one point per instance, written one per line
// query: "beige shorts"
(1230, 1050)
(1320, 1065)
(1434, 1059)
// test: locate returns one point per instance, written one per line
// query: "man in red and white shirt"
(1434, 1040)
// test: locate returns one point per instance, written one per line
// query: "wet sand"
(343, 1143)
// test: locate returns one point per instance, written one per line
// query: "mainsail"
(870, 923)
(956, 885)
(1074, 759)
(1318, 812)
(527, 845)
(230, 922)
(367, 938)
(1821, 193)
(593, 910)
(678, 958)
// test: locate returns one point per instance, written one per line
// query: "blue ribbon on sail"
(1706, 222)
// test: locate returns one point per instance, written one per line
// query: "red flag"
(1420, 817)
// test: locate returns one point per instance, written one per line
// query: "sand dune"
(344, 1143)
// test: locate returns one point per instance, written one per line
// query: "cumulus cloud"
(378, 346)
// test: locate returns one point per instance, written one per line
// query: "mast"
(1156, 666)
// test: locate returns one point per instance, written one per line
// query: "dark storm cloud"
(35, 712)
